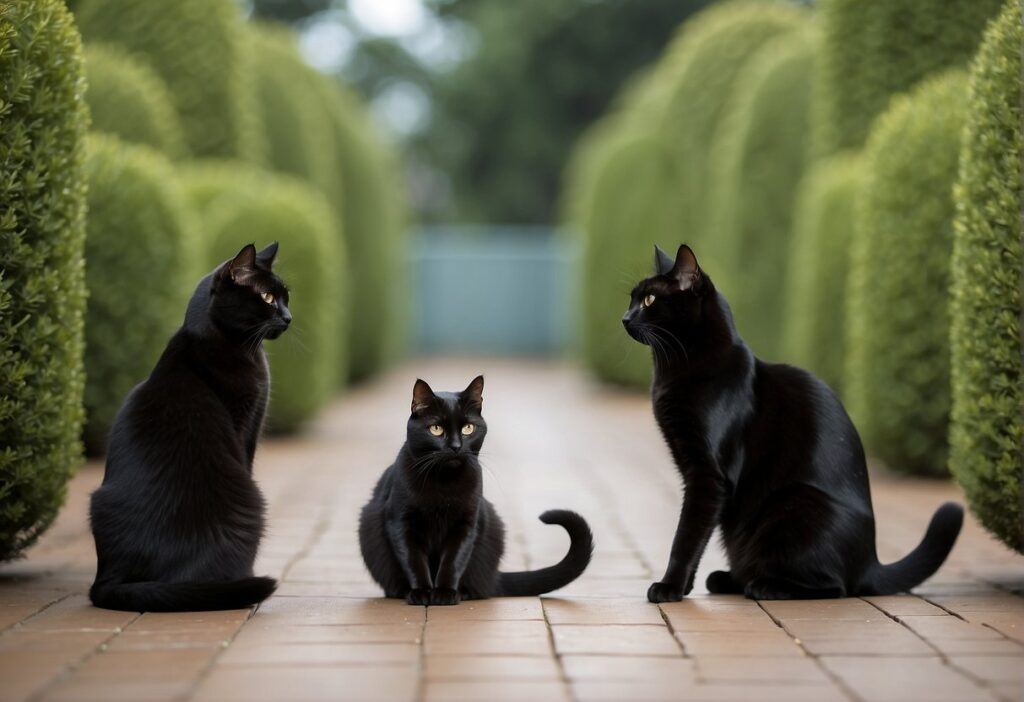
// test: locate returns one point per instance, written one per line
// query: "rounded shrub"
(43, 120)
(987, 435)
(129, 100)
(757, 158)
(707, 56)
(873, 50)
(198, 47)
(241, 205)
(898, 301)
(142, 264)
(815, 298)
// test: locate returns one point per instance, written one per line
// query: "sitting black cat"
(428, 535)
(767, 452)
(178, 518)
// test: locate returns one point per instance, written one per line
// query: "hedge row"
(987, 437)
(42, 286)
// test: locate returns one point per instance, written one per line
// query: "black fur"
(179, 518)
(428, 535)
(766, 452)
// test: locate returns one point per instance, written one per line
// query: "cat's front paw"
(418, 596)
(444, 596)
(665, 592)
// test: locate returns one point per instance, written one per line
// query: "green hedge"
(757, 158)
(987, 437)
(42, 288)
(823, 221)
(873, 50)
(129, 100)
(898, 304)
(141, 253)
(239, 205)
(710, 52)
(198, 47)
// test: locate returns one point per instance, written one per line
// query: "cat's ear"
(242, 267)
(421, 396)
(265, 258)
(662, 261)
(685, 269)
(473, 395)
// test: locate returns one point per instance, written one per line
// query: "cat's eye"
(268, 297)
(468, 429)
(436, 429)
(648, 300)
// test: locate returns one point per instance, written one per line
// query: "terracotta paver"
(327, 635)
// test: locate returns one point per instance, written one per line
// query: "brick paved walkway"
(554, 441)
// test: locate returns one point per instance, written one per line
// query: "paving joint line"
(21, 622)
(562, 675)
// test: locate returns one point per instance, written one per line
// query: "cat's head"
(447, 424)
(672, 300)
(247, 300)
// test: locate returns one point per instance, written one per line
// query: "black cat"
(178, 518)
(428, 535)
(766, 452)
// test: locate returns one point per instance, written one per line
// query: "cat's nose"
(626, 319)
(286, 316)
(455, 444)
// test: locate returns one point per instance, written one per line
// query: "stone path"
(554, 441)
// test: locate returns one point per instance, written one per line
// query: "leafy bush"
(757, 158)
(198, 47)
(42, 288)
(129, 100)
(823, 222)
(141, 253)
(239, 205)
(873, 50)
(898, 304)
(987, 435)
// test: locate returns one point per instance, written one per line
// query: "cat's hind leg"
(722, 582)
(769, 588)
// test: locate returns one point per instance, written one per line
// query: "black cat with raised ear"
(179, 518)
(766, 452)
(428, 535)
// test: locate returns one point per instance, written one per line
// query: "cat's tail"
(181, 597)
(921, 563)
(537, 582)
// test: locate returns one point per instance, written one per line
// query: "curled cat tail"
(921, 563)
(537, 582)
(181, 597)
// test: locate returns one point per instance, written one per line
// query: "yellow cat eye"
(267, 298)
(468, 429)
(436, 429)
(648, 301)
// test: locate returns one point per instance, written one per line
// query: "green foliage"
(241, 205)
(823, 223)
(897, 314)
(987, 435)
(873, 50)
(756, 160)
(709, 53)
(129, 100)
(141, 253)
(42, 289)
(198, 47)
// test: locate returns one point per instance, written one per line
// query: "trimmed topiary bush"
(710, 52)
(198, 47)
(129, 100)
(898, 303)
(240, 205)
(142, 264)
(873, 50)
(987, 435)
(823, 223)
(42, 290)
(757, 158)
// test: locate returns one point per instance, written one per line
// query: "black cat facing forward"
(766, 452)
(179, 518)
(428, 535)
